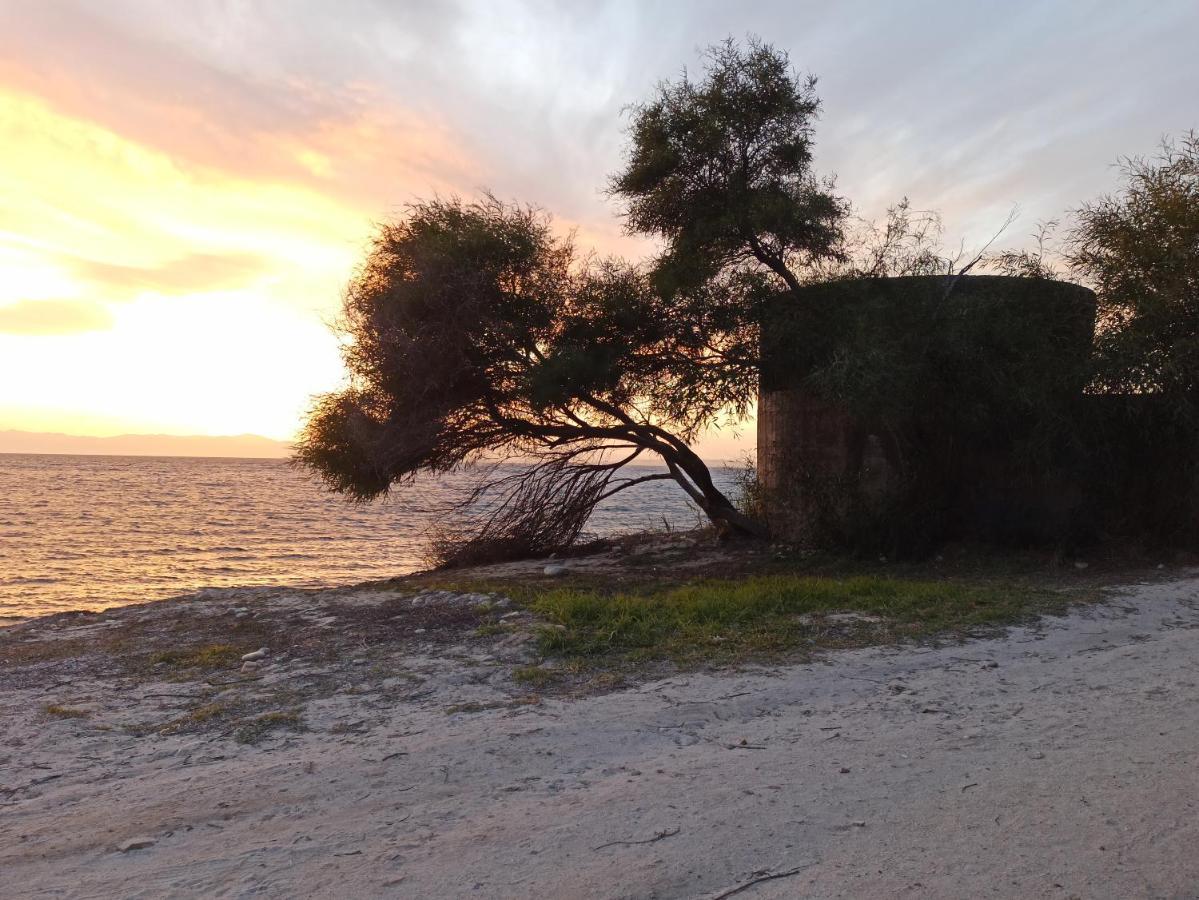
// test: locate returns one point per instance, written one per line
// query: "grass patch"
(210, 656)
(64, 712)
(746, 617)
(256, 729)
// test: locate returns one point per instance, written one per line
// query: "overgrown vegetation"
(1139, 249)
(1016, 417)
(965, 384)
(714, 620)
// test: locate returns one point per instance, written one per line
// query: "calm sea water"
(89, 532)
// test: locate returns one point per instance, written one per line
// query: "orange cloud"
(50, 317)
(195, 272)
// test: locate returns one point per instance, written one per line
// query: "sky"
(185, 188)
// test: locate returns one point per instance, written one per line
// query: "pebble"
(1081, 564)
(845, 770)
(260, 653)
(556, 571)
(250, 666)
(1036, 754)
(137, 843)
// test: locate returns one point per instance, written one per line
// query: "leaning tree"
(473, 332)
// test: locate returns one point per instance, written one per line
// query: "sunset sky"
(185, 187)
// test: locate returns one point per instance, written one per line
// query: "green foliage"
(1139, 249)
(743, 617)
(721, 168)
(472, 331)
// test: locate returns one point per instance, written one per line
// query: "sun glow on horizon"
(147, 294)
(140, 294)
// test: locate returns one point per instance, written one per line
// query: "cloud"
(193, 273)
(51, 317)
(279, 97)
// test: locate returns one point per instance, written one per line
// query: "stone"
(1081, 564)
(260, 653)
(1036, 754)
(137, 843)
(556, 571)
(250, 666)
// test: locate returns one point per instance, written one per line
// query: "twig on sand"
(758, 879)
(665, 833)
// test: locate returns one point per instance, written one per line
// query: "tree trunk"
(693, 475)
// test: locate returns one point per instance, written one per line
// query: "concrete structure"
(818, 456)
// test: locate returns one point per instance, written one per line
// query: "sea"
(92, 532)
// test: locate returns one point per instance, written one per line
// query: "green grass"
(758, 615)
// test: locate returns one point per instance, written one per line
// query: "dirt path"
(1061, 761)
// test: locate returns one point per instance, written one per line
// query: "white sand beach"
(1055, 761)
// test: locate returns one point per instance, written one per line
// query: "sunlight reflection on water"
(88, 532)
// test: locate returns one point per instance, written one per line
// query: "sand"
(1056, 761)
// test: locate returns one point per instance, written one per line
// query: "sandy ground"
(1056, 761)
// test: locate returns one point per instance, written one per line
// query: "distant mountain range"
(240, 445)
